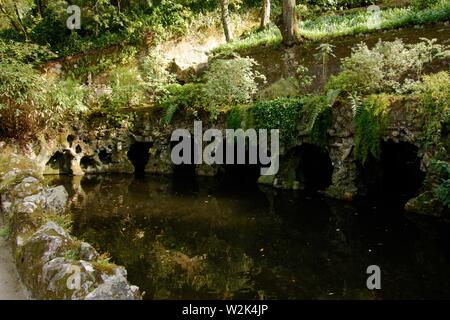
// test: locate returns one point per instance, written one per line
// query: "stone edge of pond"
(51, 263)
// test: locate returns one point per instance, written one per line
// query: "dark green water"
(203, 239)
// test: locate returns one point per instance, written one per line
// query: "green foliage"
(155, 74)
(23, 109)
(282, 114)
(335, 25)
(72, 255)
(423, 4)
(99, 63)
(370, 121)
(440, 170)
(188, 97)
(339, 4)
(325, 51)
(317, 117)
(227, 83)
(388, 67)
(434, 109)
(68, 97)
(230, 82)
(234, 119)
(128, 91)
(5, 231)
(63, 220)
(24, 52)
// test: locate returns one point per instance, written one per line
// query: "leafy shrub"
(23, 109)
(128, 91)
(68, 97)
(423, 4)
(188, 97)
(230, 82)
(155, 74)
(24, 52)
(282, 114)
(386, 67)
(440, 170)
(434, 108)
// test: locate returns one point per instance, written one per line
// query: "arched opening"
(185, 170)
(60, 163)
(88, 163)
(237, 174)
(105, 156)
(396, 176)
(315, 168)
(139, 156)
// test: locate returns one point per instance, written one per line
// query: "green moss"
(103, 264)
(5, 231)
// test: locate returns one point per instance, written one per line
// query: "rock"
(87, 252)
(56, 199)
(115, 287)
(425, 203)
(52, 200)
(65, 280)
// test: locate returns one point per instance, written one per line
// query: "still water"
(203, 239)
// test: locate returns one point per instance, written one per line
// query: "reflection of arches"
(396, 175)
(139, 155)
(315, 168)
(60, 163)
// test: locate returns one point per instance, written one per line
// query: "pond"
(201, 238)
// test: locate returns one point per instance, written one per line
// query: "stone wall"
(84, 149)
(51, 263)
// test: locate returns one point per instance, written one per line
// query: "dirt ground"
(10, 287)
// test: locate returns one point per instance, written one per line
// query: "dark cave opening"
(61, 161)
(88, 162)
(185, 170)
(239, 174)
(315, 168)
(396, 176)
(139, 156)
(105, 157)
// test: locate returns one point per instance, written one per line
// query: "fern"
(370, 121)
(169, 112)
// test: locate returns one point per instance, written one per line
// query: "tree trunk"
(265, 17)
(226, 20)
(15, 24)
(19, 19)
(288, 23)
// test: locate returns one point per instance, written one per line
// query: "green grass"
(330, 26)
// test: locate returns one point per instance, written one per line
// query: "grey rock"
(87, 252)
(56, 199)
(114, 288)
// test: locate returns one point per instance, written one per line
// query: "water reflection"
(206, 239)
